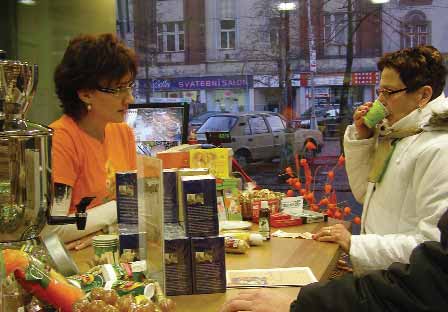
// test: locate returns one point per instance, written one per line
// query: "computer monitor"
(158, 126)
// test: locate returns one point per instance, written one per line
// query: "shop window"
(258, 125)
(171, 37)
(416, 30)
(335, 34)
(228, 34)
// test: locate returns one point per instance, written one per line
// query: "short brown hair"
(418, 67)
(88, 60)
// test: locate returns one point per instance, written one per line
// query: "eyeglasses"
(118, 92)
(387, 93)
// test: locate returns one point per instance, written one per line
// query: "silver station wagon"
(258, 135)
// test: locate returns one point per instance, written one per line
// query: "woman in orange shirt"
(94, 83)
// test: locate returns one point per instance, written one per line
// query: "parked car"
(197, 121)
(257, 135)
(327, 121)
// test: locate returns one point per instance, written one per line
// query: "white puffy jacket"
(403, 209)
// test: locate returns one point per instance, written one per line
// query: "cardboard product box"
(209, 266)
(174, 159)
(218, 160)
(178, 270)
(228, 184)
(170, 199)
(127, 197)
(200, 207)
(309, 216)
(183, 173)
(232, 205)
(132, 243)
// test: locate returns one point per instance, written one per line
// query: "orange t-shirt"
(86, 164)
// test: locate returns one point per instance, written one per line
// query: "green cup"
(376, 113)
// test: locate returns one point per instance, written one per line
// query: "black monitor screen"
(158, 126)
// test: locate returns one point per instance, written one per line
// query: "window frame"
(163, 35)
(332, 33)
(227, 32)
(414, 20)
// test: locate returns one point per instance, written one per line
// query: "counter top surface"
(276, 253)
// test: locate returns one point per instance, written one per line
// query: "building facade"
(226, 54)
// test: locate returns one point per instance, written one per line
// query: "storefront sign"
(337, 79)
(201, 83)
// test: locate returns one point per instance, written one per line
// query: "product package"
(232, 205)
(182, 173)
(131, 243)
(174, 159)
(170, 199)
(200, 207)
(178, 270)
(209, 266)
(309, 216)
(127, 197)
(218, 160)
(274, 206)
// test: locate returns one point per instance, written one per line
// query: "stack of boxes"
(127, 216)
(194, 254)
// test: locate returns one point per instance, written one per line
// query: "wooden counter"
(278, 252)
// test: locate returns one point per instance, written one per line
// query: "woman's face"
(111, 107)
(399, 104)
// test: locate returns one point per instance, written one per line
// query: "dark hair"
(88, 60)
(417, 67)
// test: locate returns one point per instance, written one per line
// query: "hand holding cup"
(363, 131)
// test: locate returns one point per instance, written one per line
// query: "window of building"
(171, 37)
(228, 34)
(274, 32)
(335, 34)
(416, 30)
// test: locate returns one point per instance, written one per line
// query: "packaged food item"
(40, 280)
(209, 266)
(200, 208)
(91, 279)
(254, 239)
(234, 245)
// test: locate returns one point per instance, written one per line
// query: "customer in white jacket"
(399, 169)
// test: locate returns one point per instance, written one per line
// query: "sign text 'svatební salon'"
(200, 83)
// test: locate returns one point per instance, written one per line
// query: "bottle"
(192, 138)
(264, 226)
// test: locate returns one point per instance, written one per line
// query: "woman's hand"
(83, 242)
(261, 300)
(337, 234)
(363, 131)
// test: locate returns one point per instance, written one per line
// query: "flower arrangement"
(328, 202)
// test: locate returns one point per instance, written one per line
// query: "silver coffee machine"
(25, 156)
(26, 188)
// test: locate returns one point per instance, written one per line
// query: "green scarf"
(384, 151)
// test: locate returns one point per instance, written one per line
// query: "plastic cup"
(105, 248)
(376, 113)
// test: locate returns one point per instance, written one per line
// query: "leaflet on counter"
(275, 277)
